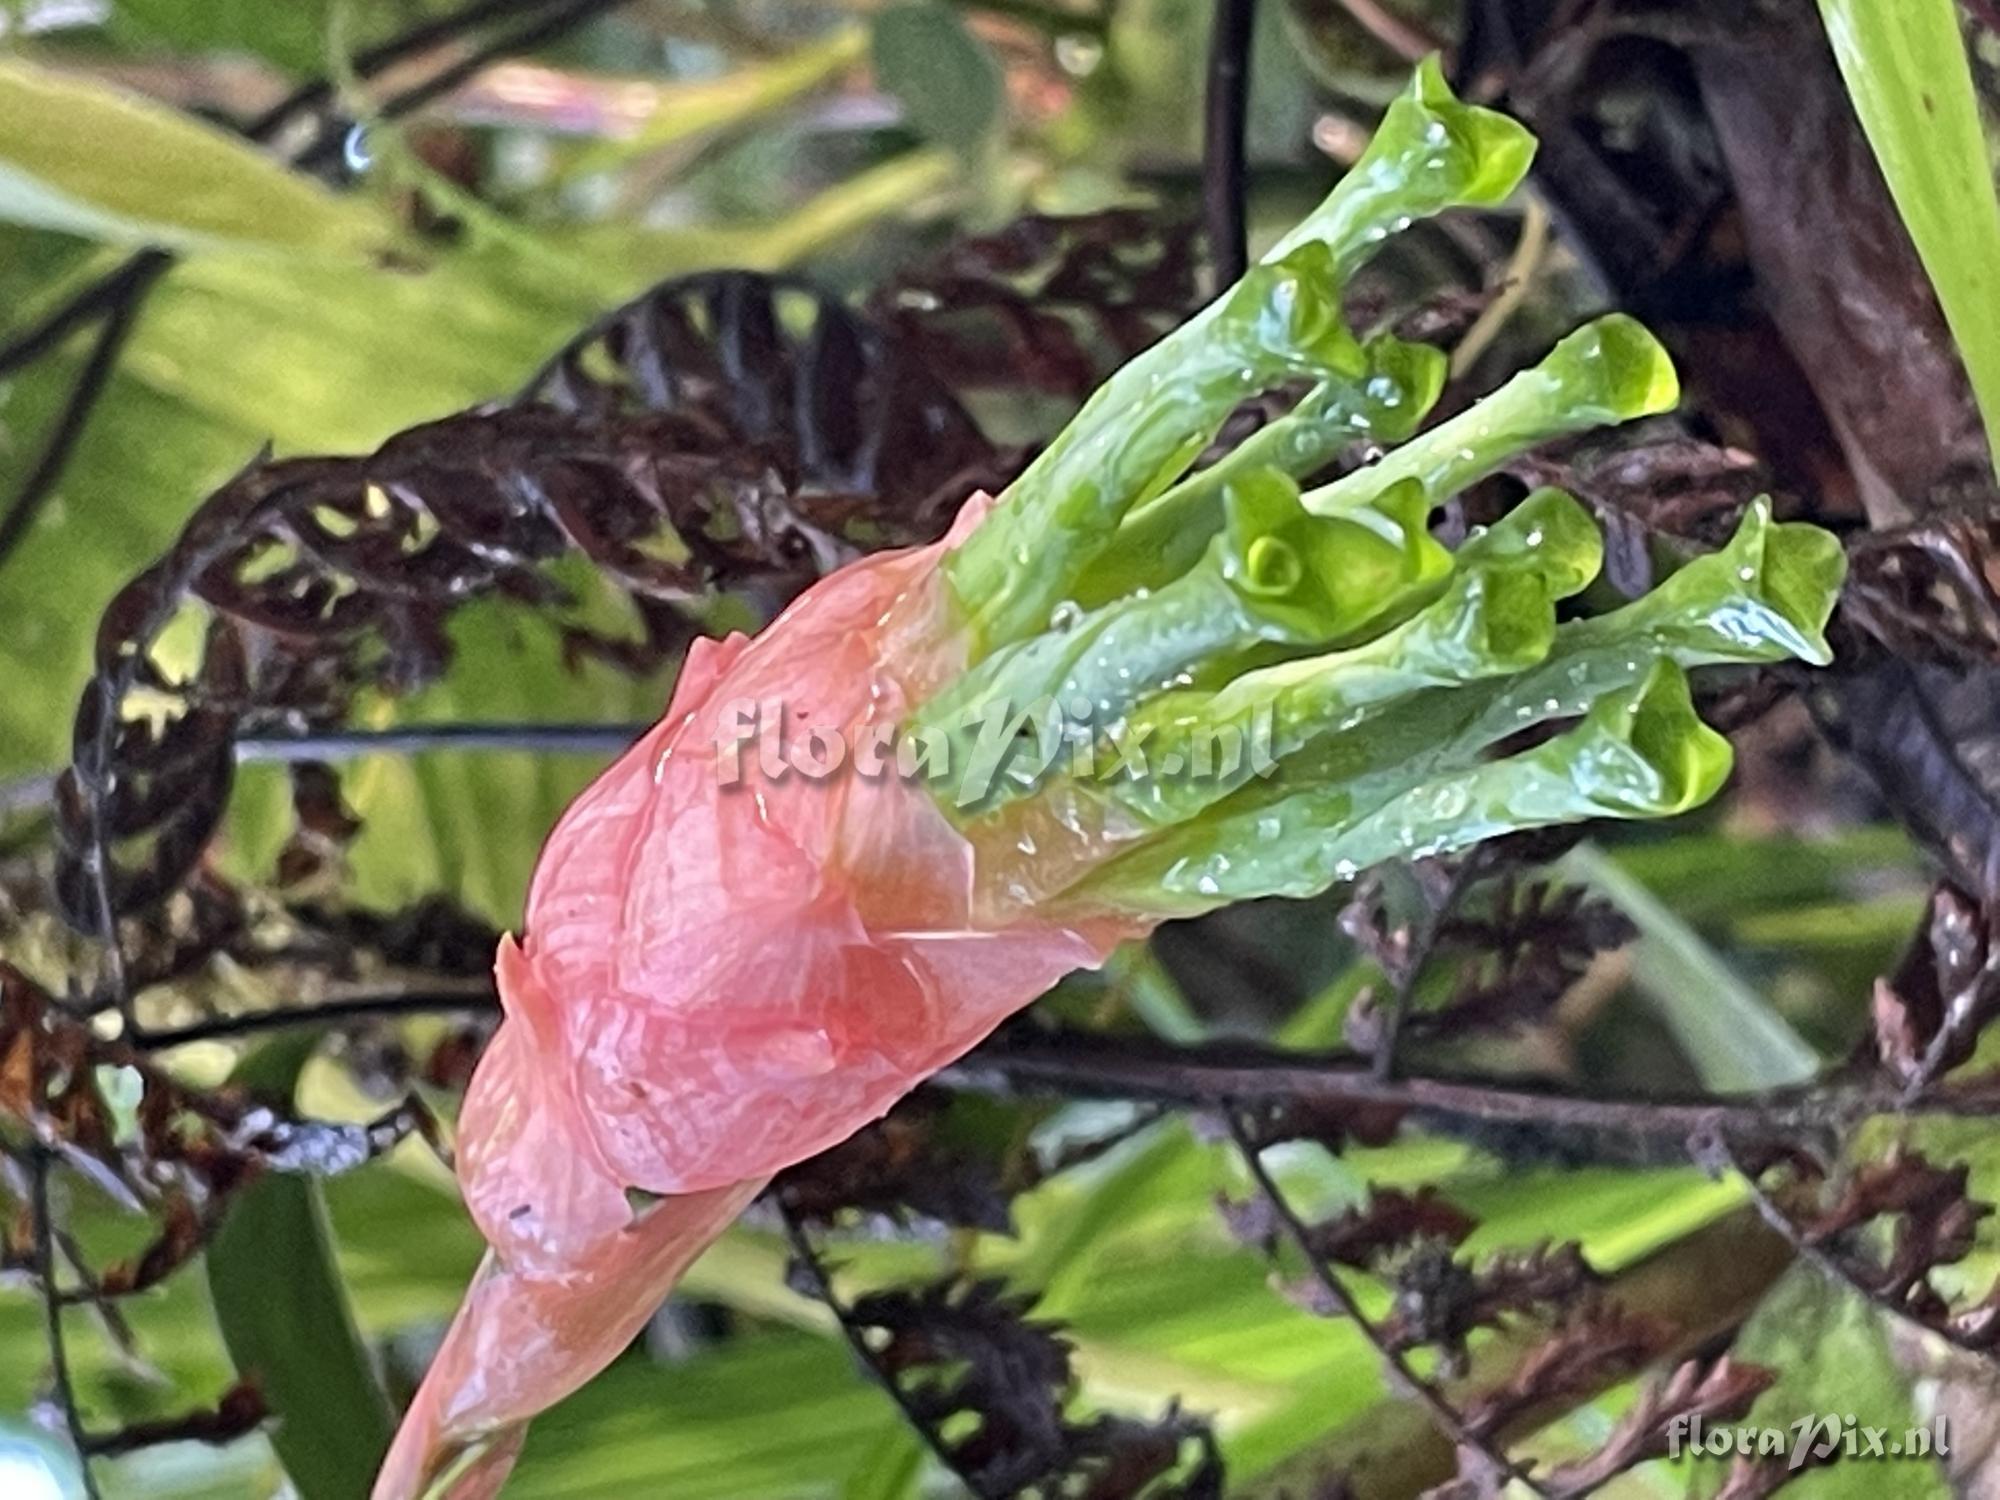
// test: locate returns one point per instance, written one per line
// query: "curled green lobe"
(1639, 753)
(1609, 371)
(1282, 322)
(1246, 690)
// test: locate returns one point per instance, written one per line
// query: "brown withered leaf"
(724, 432)
(902, 1165)
(187, 1150)
(1440, 1300)
(1528, 941)
(1934, 1220)
(962, 1351)
(1928, 1015)
(1364, 1236)
(1721, 1390)
(1584, 1352)
(1048, 303)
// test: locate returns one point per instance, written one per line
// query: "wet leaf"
(283, 1311)
(947, 81)
(118, 168)
(1907, 73)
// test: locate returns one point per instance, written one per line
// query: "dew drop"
(355, 151)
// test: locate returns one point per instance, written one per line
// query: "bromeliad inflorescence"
(725, 971)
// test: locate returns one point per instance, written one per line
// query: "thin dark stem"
(29, 793)
(119, 313)
(1423, 943)
(812, 1270)
(1224, 189)
(1210, 1074)
(115, 298)
(345, 744)
(372, 60)
(87, 306)
(372, 1007)
(1205, 1076)
(45, 1269)
(94, 300)
(562, 19)
(1443, 1414)
(1714, 1153)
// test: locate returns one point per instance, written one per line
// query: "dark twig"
(45, 1270)
(1714, 1154)
(812, 1272)
(372, 60)
(1443, 1414)
(1227, 111)
(87, 306)
(558, 22)
(346, 1008)
(414, 739)
(119, 311)
(1207, 1075)
(29, 793)
(116, 297)
(1416, 957)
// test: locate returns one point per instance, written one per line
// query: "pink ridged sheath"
(716, 981)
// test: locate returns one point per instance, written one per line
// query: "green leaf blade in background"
(284, 1314)
(126, 170)
(945, 78)
(1839, 1360)
(1906, 70)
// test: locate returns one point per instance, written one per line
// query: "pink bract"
(716, 981)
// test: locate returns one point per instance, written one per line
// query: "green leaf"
(292, 35)
(947, 80)
(91, 160)
(1281, 322)
(892, 1470)
(1277, 578)
(284, 1315)
(1911, 84)
(1162, 539)
(1608, 371)
(1429, 153)
(1728, 1030)
(1832, 1347)
(682, 110)
(1639, 753)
